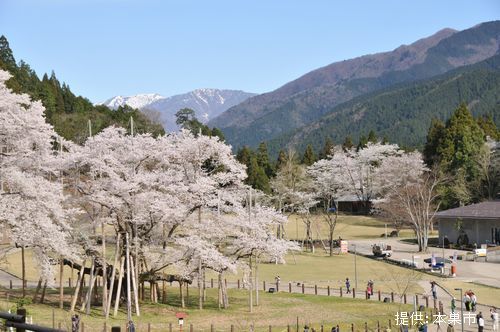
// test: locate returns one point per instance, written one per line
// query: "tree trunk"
(183, 304)
(38, 286)
(43, 291)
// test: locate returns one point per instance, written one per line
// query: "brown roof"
(484, 210)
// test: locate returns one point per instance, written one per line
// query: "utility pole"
(461, 307)
(127, 253)
(355, 268)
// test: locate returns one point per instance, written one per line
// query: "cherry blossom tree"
(32, 204)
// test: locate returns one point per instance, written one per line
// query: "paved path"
(479, 272)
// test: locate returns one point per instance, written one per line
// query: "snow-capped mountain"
(137, 101)
(207, 103)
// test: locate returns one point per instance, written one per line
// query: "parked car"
(382, 250)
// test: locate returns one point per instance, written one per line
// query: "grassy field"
(348, 227)
(278, 310)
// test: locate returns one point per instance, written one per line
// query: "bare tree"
(416, 203)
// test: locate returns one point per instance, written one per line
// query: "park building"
(475, 224)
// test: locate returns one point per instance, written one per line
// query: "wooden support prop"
(303, 289)
(113, 273)
(392, 296)
(341, 292)
(78, 285)
(315, 289)
(328, 290)
(353, 293)
(61, 283)
(134, 287)
(119, 288)
(289, 287)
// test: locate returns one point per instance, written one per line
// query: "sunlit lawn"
(278, 310)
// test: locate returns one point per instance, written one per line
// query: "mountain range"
(207, 104)
(313, 97)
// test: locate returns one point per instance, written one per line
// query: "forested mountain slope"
(68, 113)
(403, 113)
(315, 94)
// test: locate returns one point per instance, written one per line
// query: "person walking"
(473, 301)
(75, 323)
(480, 322)
(370, 283)
(494, 318)
(130, 326)
(434, 290)
(347, 285)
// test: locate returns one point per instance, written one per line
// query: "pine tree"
(461, 144)
(363, 141)
(435, 136)
(281, 161)
(244, 155)
(7, 60)
(488, 126)
(327, 149)
(263, 159)
(372, 137)
(257, 178)
(309, 157)
(348, 144)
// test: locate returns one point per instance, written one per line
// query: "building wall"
(478, 231)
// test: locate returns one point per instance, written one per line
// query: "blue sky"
(103, 48)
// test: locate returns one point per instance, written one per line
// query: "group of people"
(335, 328)
(369, 287)
(470, 300)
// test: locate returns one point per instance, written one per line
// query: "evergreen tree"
(327, 149)
(184, 116)
(263, 159)
(244, 155)
(257, 178)
(488, 126)
(363, 141)
(372, 137)
(281, 161)
(435, 137)
(217, 132)
(348, 144)
(461, 144)
(309, 157)
(7, 60)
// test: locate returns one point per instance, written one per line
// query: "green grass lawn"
(277, 310)
(348, 227)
